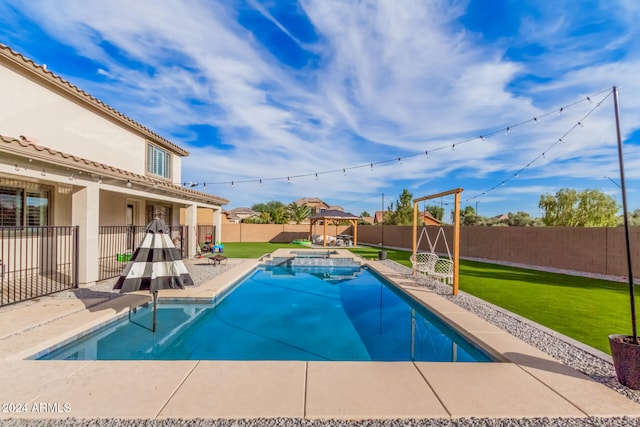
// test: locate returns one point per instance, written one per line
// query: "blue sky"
(372, 96)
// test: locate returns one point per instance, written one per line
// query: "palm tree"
(298, 213)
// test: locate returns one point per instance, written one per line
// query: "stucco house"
(75, 175)
(238, 215)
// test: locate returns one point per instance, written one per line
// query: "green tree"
(403, 213)
(271, 212)
(633, 217)
(572, 208)
(298, 213)
(468, 217)
(364, 214)
(280, 215)
(520, 219)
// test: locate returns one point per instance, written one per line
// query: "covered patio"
(334, 217)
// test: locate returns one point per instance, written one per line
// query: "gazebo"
(334, 216)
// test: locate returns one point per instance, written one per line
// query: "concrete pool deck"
(526, 383)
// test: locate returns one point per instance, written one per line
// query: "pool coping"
(525, 383)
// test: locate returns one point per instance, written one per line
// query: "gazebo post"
(355, 232)
(324, 240)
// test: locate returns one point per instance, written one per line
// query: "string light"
(204, 187)
(506, 130)
(99, 180)
(129, 184)
(543, 155)
(43, 173)
(344, 171)
(288, 180)
(17, 168)
(260, 182)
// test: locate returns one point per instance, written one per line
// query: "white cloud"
(391, 80)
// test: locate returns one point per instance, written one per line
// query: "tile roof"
(31, 151)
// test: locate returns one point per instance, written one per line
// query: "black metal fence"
(117, 243)
(37, 261)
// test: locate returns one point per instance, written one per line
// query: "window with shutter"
(158, 162)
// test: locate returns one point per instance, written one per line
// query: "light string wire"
(398, 159)
(560, 140)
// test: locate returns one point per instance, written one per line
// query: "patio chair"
(443, 271)
(424, 262)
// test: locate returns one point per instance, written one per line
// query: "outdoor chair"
(443, 271)
(424, 262)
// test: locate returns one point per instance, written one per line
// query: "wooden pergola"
(456, 229)
(334, 216)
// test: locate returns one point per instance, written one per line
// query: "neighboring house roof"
(429, 219)
(27, 67)
(309, 201)
(378, 217)
(315, 202)
(502, 217)
(243, 212)
(333, 214)
(41, 157)
(232, 218)
(367, 219)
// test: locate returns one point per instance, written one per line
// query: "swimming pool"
(284, 312)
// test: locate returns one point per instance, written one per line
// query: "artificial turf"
(585, 309)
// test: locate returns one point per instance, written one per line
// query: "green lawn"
(585, 309)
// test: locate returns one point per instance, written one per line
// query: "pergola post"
(415, 233)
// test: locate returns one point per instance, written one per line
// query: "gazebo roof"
(333, 214)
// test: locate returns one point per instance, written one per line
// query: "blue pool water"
(284, 313)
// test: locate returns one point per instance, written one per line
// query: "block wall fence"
(591, 250)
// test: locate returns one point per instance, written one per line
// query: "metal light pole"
(626, 219)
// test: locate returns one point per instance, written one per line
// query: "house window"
(158, 162)
(24, 207)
